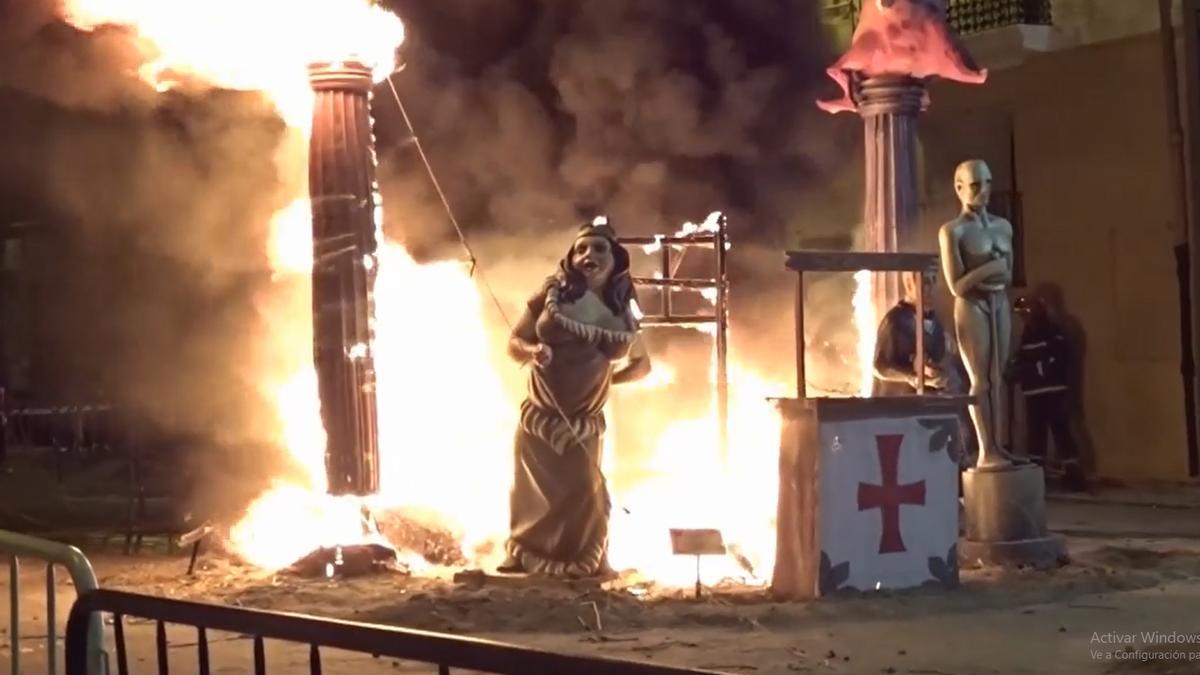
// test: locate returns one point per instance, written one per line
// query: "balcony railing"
(976, 16)
(964, 16)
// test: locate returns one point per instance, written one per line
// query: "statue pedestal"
(1005, 518)
(868, 495)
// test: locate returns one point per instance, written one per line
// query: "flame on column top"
(902, 37)
(250, 45)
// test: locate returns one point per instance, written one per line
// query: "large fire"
(446, 420)
(864, 321)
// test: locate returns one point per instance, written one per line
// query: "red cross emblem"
(889, 496)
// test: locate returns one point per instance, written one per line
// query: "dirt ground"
(1135, 568)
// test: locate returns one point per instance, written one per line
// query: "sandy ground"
(1135, 568)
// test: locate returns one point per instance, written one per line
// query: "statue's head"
(928, 280)
(973, 184)
(597, 261)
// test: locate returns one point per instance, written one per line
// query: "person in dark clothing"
(3, 427)
(896, 344)
(1041, 367)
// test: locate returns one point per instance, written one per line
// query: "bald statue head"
(973, 184)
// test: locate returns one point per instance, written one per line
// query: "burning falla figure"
(581, 334)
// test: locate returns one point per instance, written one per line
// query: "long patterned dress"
(560, 503)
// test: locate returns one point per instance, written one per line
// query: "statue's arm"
(523, 342)
(1009, 258)
(958, 279)
(637, 365)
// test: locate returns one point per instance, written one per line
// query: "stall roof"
(853, 261)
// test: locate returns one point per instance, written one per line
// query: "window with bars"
(964, 16)
(975, 16)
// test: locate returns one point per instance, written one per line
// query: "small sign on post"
(699, 543)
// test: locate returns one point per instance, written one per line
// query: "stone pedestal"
(1005, 518)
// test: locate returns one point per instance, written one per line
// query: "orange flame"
(865, 322)
(250, 45)
(446, 420)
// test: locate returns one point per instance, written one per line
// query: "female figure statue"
(575, 330)
(977, 261)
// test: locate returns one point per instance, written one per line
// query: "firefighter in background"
(1041, 367)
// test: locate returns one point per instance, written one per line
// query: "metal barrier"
(14, 545)
(444, 651)
(975, 16)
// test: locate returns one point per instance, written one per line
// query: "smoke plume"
(141, 279)
(151, 269)
(654, 112)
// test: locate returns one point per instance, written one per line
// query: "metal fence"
(446, 652)
(975, 16)
(964, 16)
(92, 659)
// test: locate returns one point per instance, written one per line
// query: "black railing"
(443, 651)
(976, 16)
(964, 16)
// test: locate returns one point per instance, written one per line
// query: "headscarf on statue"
(901, 37)
(569, 284)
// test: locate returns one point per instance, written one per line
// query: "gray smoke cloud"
(534, 112)
(655, 112)
(141, 283)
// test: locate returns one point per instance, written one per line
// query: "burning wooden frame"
(718, 240)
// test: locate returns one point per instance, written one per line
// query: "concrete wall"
(1086, 22)
(1092, 163)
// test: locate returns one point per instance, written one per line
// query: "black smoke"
(145, 284)
(655, 112)
(142, 268)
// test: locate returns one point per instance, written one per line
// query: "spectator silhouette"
(1051, 296)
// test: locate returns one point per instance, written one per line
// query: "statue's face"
(593, 257)
(973, 184)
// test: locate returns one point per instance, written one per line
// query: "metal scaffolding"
(665, 286)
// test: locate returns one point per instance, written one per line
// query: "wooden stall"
(868, 487)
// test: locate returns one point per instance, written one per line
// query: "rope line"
(476, 270)
(437, 185)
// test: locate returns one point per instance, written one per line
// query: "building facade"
(1074, 122)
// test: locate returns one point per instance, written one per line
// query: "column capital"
(889, 95)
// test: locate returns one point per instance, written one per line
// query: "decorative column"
(343, 191)
(897, 48)
(889, 106)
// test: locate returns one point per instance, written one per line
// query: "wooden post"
(801, 376)
(919, 354)
(722, 338)
(665, 253)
